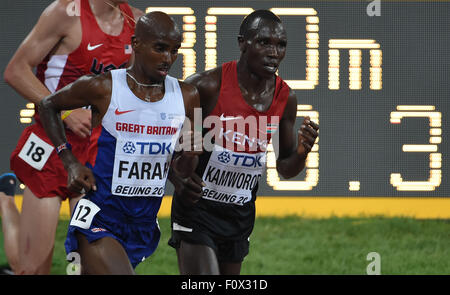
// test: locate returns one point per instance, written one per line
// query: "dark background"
(357, 140)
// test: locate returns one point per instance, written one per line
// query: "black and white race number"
(84, 213)
(35, 152)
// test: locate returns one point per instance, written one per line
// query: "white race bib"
(231, 176)
(36, 152)
(84, 213)
(141, 167)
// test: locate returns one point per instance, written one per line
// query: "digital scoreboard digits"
(346, 68)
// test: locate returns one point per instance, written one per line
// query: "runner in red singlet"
(71, 39)
(211, 235)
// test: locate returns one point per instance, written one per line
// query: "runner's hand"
(307, 135)
(79, 121)
(80, 179)
(188, 188)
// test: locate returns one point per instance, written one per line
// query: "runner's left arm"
(292, 157)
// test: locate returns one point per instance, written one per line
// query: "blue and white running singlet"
(130, 155)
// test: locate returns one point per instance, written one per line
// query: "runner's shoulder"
(99, 85)
(137, 13)
(206, 81)
(61, 14)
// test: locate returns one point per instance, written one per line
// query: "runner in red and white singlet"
(33, 160)
(72, 38)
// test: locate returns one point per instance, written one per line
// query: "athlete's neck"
(141, 77)
(104, 8)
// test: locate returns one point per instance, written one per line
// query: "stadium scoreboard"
(373, 74)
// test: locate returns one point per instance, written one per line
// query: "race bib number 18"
(35, 152)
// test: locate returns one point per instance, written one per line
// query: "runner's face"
(159, 54)
(266, 49)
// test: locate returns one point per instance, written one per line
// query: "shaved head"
(156, 25)
(156, 42)
(253, 22)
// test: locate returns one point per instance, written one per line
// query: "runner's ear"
(135, 42)
(241, 43)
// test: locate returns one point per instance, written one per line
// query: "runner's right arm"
(208, 86)
(50, 29)
(182, 174)
(88, 90)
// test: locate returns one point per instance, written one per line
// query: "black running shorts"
(231, 251)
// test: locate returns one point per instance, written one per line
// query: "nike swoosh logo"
(90, 48)
(178, 227)
(223, 118)
(117, 112)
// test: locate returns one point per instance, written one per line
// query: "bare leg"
(10, 218)
(197, 260)
(73, 203)
(10, 227)
(38, 224)
(105, 256)
(227, 268)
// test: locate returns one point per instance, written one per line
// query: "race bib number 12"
(84, 213)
